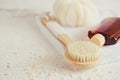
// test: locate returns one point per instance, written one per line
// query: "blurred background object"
(38, 5)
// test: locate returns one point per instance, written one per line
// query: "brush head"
(83, 54)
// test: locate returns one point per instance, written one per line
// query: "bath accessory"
(80, 54)
(75, 13)
(107, 32)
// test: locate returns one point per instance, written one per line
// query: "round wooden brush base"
(79, 65)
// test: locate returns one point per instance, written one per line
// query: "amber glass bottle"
(109, 28)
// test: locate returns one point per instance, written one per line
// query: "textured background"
(41, 4)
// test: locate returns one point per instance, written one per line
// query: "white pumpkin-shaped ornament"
(75, 12)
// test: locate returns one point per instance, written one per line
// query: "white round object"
(75, 12)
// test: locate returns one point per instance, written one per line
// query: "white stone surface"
(35, 5)
(25, 54)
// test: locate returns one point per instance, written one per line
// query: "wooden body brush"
(81, 54)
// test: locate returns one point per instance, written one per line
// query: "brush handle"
(58, 32)
(54, 28)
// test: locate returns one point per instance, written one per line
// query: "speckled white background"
(25, 54)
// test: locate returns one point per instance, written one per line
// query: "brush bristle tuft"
(83, 52)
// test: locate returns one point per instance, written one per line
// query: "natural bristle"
(83, 52)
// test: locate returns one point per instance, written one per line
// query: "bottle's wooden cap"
(98, 39)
